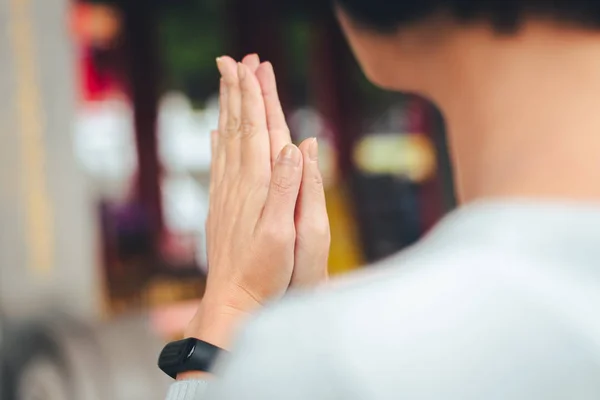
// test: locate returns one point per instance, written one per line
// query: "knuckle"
(279, 234)
(232, 126)
(281, 184)
(254, 175)
(314, 232)
(254, 183)
(261, 180)
(317, 183)
(248, 128)
(320, 230)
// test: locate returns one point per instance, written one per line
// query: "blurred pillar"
(47, 242)
(142, 76)
(257, 27)
(331, 73)
(331, 79)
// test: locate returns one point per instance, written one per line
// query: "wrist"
(216, 323)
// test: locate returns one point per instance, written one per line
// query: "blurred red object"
(95, 28)
(95, 25)
(96, 85)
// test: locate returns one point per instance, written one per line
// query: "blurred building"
(48, 252)
(105, 122)
(380, 202)
(52, 343)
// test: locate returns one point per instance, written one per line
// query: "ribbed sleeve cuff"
(187, 390)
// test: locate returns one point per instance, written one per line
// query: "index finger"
(279, 133)
(255, 137)
(230, 135)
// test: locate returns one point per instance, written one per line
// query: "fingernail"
(241, 71)
(289, 155)
(219, 65)
(223, 87)
(313, 150)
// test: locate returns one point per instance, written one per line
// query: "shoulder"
(430, 270)
(423, 297)
(441, 312)
(427, 281)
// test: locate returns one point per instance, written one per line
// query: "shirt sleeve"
(187, 390)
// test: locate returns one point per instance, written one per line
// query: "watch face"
(187, 355)
(175, 353)
(191, 352)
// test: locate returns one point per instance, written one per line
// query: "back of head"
(504, 15)
(510, 76)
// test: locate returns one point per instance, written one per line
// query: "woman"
(500, 300)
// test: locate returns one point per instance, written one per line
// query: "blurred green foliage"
(192, 34)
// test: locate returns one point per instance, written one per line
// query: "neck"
(524, 117)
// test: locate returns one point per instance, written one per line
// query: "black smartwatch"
(187, 355)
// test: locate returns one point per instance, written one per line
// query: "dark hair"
(504, 15)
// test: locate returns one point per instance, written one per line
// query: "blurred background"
(105, 115)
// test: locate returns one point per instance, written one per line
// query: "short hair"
(387, 16)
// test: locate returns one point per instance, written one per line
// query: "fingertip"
(290, 155)
(250, 58)
(269, 66)
(311, 174)
(304, 145)
(248, 81)
(313, 150)
(228, 69)
(261, 69)
(223, 61)
(221, 66)
(310, 149)
(252, 61)
(262, 78)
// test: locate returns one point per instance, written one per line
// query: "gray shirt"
(500, 301)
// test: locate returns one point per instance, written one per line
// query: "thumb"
(313, 236)
(284, 187)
